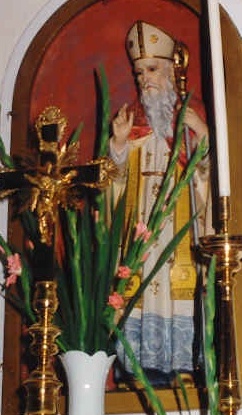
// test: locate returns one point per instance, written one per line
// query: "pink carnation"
(145, 256)
(124, 271)
(142, 231)
(116, 300)
(11, 280)
(147, 235)
(14, 264)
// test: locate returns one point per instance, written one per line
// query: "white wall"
(20, 21)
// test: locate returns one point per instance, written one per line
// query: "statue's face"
(152, 74)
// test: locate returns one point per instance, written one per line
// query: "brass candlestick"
(42, 385)
(226, 248)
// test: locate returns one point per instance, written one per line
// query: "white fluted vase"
(86, 377)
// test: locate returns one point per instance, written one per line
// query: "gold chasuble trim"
(183, 272)
(134, 189)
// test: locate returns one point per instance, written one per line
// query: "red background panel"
(96, 36)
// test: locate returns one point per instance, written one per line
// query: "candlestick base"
(42, 385)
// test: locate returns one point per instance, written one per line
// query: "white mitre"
(147, 41)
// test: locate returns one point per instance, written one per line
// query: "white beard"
(159, 110)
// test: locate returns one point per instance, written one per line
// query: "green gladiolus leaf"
(5, 159)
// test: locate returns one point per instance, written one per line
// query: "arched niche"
(26, 105)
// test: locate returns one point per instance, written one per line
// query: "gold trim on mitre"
(147, 41)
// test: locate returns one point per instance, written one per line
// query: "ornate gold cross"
(56, 179)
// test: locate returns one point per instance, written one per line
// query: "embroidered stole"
(183, 272)
(134, 190)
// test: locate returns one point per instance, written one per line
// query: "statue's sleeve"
(119, 157)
